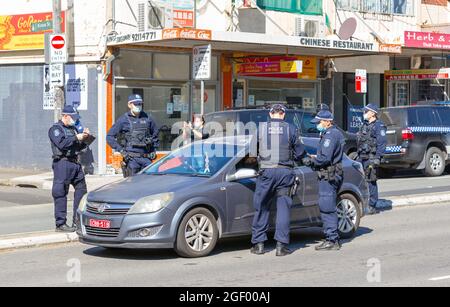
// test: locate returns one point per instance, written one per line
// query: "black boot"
(64, 228)
(282, 249)
(257, 249)
(372, 211)
(328, 246)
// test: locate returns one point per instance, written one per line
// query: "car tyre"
(434, 162)
(349, 215)
(197, 234)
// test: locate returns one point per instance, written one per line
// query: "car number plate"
(104, 224)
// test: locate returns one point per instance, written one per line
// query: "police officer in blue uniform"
(371, 146)
(67, 143)
(328, 164)
(279, 145)
(140, 134)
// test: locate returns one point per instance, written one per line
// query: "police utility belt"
(137, 155)
(64, 158)
(329, 173)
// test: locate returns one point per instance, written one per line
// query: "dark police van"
(418, 138)
(299, 118)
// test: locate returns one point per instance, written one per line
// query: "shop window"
(209, 99)
(296, 94)
(171, 66)
(399, 7)
(307, 7)
(168, 104)
(133, 64)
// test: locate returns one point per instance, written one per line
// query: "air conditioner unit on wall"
(154, 15)
(311, 26)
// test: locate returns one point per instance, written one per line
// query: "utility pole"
(58, 91)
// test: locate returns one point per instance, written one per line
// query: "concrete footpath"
(397, 192)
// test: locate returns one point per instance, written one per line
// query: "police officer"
(141, 137)
(371, 147)
(279, 146)
(66, 145)
(328, 163)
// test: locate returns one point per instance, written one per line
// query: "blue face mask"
(320, 128)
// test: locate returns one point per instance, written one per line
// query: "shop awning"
(245, 42)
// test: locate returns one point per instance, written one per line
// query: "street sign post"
(361, 82)
(201, 69)
(41, 26)
(57, 75)
(58, 49)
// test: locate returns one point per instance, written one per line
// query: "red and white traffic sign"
(58, 49)
(58, 42)
(361, 81)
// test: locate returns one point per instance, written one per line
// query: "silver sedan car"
(203, 192)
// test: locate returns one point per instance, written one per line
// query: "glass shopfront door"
(167, 104)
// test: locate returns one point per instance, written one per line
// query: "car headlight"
(151, 204)
(83, 203)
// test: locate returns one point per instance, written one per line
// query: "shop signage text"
(427, 40)
(270, 67)
(390, 48)
(418, 74)
(285, 67)
(26, 32)
(139, 37)
(337, 44)
(187, 34)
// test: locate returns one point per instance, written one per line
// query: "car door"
(306, 201)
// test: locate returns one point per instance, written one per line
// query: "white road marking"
(439, 278)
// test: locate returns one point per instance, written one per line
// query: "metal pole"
(195, 14)
(58, 92)
(202, 99)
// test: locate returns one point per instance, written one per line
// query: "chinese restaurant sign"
(427, 40)
(19, 32)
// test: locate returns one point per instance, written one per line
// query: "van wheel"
(434, 162)
(349, 215)
(197, 234)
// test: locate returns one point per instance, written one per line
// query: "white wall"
(434, 14)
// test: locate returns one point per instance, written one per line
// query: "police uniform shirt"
(65, 141)
(377, 131)
(122, 125)
(331, 148)
(287, 135)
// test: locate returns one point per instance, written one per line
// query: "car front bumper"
(127, 231)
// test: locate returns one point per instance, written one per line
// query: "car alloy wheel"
(436, 162)
(199, 232)
(347, 216)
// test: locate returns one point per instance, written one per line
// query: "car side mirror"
(243, 173)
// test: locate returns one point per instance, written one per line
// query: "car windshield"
(203, 159)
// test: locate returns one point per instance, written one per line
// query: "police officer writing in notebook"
(328, 164)
(67, 143)
(371, 146)
(141, 137)
(279, 146)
